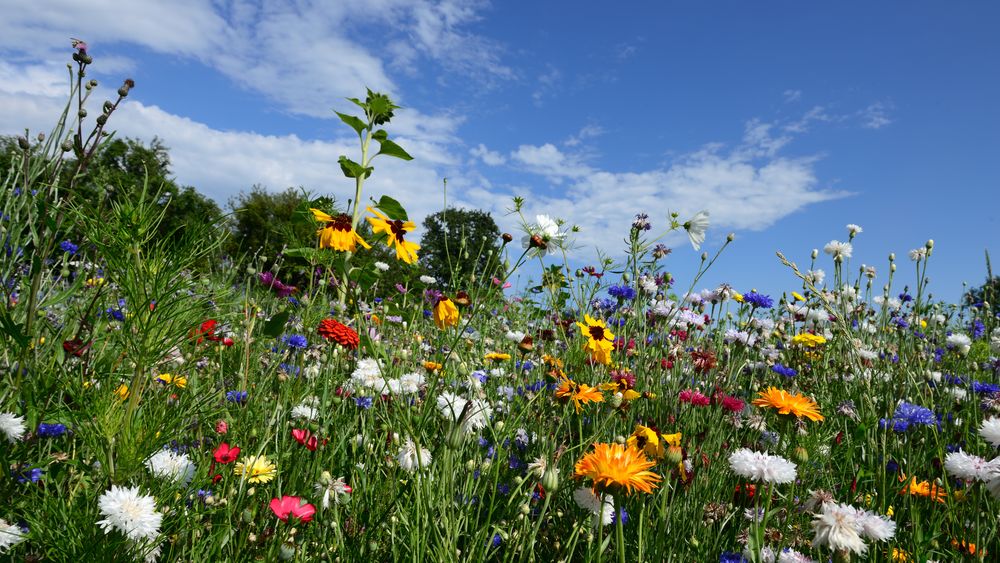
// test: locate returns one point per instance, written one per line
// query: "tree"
(458, 244)
(266, 222)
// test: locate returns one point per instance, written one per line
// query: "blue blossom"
(32, 474)
(296, 341)
(68, 246)
(51, 430)
(732, 557)
(908, 414)
(980, 387)
(363, 402)
(977, 328)
(622, 291)
(783, 370)
(757, 300)
(620, 513)
(237, 396)
(497, 541)
(526, 365)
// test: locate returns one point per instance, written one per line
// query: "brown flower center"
(341, 222)
(597, 333)
(397, 229)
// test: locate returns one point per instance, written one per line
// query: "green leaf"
(13, 329)
(353, 121)
(392, 208)
(304, 252)
(276, 325)
(392, 149)
(380, 135)
(352, 169)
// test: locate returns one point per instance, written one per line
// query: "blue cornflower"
(908, 414)
(757, 300)
(32, 474)
(622, 292)
(290, 369)
(480, 375)
(892, 466)
(295, 341)
(69, 247)
(905, 297)
(901, 323)
(363, 402)
(977, 328)
(783, 370)
(732, 557)
(115, 314)
(620, 513)
(980, 387)
(51, 430)
(497, 541)
(526, 365)
(503, 489)
(237, 396)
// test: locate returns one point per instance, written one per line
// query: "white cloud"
(491, 158)
(876, 115)
(550, 162)
(792, 95)
(589, 131)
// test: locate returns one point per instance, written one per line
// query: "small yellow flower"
(178, 381)
(600, 340)
(122, 391)
(445, 313)
(738, 297)
(336, 232)
(497, 356)
(647, 440)
(673, 439)
(94, 282)
(432, 366)
(256, 469)
(808, 340)
(579, 393)
(797, 296)
(395, 231)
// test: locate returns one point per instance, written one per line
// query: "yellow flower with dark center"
(178, 381)
(579, 393)
(789, 403)
(395, 230)
(445, 313)
(336, 232)
(497, 356)
(599, 342)
(647, 440)
(256, 469)
(808, 340)
(617, 468)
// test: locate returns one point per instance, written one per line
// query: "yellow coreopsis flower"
(599, 342)
(178, 381)
(396, 231)
(647, 440)
(579, 393)
(445, 313)
(336, 232)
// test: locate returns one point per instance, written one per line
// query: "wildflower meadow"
(165, 398)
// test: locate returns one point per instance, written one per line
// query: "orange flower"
(923, 489)
(340, 333)
(788, 403)
(619, 467)
(579, 393)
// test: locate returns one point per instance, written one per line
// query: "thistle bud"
(102, 119)
(550, 479)
(41, 137)
(66, 145)
(730, 237)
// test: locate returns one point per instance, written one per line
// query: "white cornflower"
(970, 467)
(918, 254)
(12, 426)
(174, 467)
(368, 375)
(816, 277)
(854, 230)
(878, 528)
(412, 457)
(836, 527)
(331, 489)
(603, 512)
(537, 467)
(476, 413)
(648, 284)
(428, 279)
(767, 554)
(960, 342)
(789, 555)
(304, 412)
(990, 431)
(129, 512)
(382, 266)
(514, 335)
(759, 466)
(745, 338)
(696, 227)
(410, 383)
(10, 535)
(838, 250)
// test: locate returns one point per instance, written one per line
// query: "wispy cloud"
(589, 131)
(876, 115)
(792, 95)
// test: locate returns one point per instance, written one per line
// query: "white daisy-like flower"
(838, 250)
(10, 535)
(960, 342)
(476, 413)
(603, 512)
(544, 236)
(174, 467)
(696, 227)
(428, 279)
(836, 527)
(515, 335)
(12, 426)
(537, 467)
(971, 467)
(763, 467)
(918, 254)
(382, 266)
(304, 412)
(412, 457)
(648, 284)
(368, 375)
(990, 431)
(854, 230)
(816, 277)
(130, 513)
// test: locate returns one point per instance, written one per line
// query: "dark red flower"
(306, 438)
(226, 454)
(732, 404)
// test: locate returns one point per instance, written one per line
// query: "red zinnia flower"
(339, 333)
(292, 506)
(226, 454)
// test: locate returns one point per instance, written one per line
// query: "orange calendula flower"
(336, 232)
(599, 342)
(789, 403)
(924, 489)
(396, 231)
(497, 356)
(579, 393)
(614, 466)
(445, 313)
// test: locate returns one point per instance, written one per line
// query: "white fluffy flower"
(368, 375)
(412, 457)
(428, 279)
(918, 254)
(816, 277)
(603, 511)
(878, 528)
(854, 230)
(759, 466)
(767, 554)
(409, 383)
(696, 227)
(836, 527)
(12, 426)
(789, 555)
(382, 266)
(10, 535)
(960, 342)
(990, 431)
(838, 250)
(971, 467)
(129, 512)
(476, 413)
(174, 467)
(331, 490)
(305, 412)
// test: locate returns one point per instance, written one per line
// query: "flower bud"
(507, 237)
(730, 237)
(815, 253)
(66, 145)
(23, 143)
(550, 479)
(82, 113)
(892, 267)
(704, 256)
(800, 454)
(41, 137)
(930, 244)
(892, 256)
(675, 454)
(456, 438)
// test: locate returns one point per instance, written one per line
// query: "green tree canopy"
(459, 243)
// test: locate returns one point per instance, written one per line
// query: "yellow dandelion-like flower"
(497, 357)
(617, 467)
(256, 469)
(808, 340)
(167, 379)
(789, 403)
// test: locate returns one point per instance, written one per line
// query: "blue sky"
(785, 120)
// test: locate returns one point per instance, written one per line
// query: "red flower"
(694, 397)
(732, 404)
(227, 341)
(305, 437)
(206, 330)
(340, 333)
(292, 506)
(226, 454)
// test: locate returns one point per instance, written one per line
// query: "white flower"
(759, 466)
(537, 467)
(547, 231)
(382, 266)
(603, 512)
(332, 489)
(815, 277)
(960, 342)
(411, 457)
(696, 227)
(10, 535)
(836, 527)
(305, 412)
(838, 250)
(854, 230)
(129, 512)
(733, 335)
(171, 466)
(789, 555)
(12, 426)
(918, 254)
(476, 413)
(648, 284)
(514, 335)
(410, 383)
(990, 431)
(368, 375)
(767, 554)
(428, 279)
(878, 528)
(970, 467)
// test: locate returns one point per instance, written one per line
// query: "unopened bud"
(800, 454)
(704, 256)
(102, 119)
(66, 145)
(23, 143)
(108, 106)
(41, 137)
(82, 113)
(892, 256)
(730, 237)
(930, 244)
(815, 253)
(550, 479)
(892, 267)
(507, 237)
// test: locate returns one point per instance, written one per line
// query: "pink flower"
(498, 281)
(732, 404)
(292, 506)
(694, 397)
(221, 427)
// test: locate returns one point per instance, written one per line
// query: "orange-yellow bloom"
(445, 313)
(336, 232)
(646, 439)
(788, 403)
(579, 393)
(614, 466)
(924, 489)
(599, 342)
(396, 231)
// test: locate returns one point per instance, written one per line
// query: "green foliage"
(265, 223)
(459, 245)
